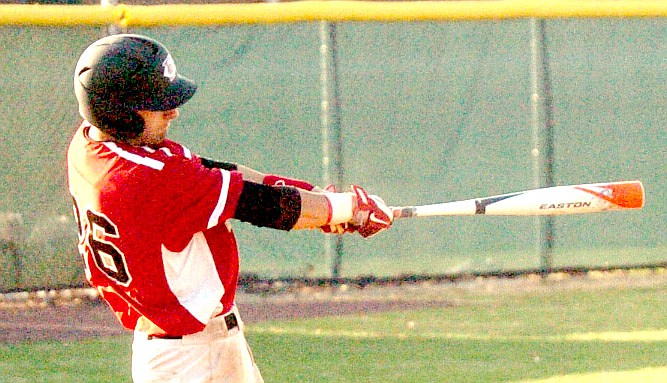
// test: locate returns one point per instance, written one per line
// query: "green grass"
(100, 360)
(567, 336)
(496, 338)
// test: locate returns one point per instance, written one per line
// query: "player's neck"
(95, 134)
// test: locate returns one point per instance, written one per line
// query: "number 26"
(93, 228)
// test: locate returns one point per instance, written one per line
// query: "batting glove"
(373, 215)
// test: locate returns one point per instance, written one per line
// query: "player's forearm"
(289, 208)
(318, 209)
(251, 175)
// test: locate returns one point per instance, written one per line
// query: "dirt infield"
(77, 319)
(94, 320)
(38, 322)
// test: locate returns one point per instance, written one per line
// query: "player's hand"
(373, 215)
(340, 228)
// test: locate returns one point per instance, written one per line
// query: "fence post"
(13, 247)
(542, 126)
(111, 29)
(332, 138)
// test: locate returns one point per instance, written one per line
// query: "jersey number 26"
(94, 227)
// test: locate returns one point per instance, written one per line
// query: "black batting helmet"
(120, 74)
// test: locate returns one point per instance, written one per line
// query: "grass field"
(574, 335)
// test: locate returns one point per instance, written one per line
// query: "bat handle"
(403, 211)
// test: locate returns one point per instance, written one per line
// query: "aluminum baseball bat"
(557, 200)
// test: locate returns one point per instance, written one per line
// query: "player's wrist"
(342, 207)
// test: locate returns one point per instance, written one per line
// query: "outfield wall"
(431, 111)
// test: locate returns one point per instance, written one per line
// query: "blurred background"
(429, 112)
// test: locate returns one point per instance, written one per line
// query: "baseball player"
(154, 218)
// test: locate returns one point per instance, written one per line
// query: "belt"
(230, 321)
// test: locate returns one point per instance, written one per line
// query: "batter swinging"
(154, 218)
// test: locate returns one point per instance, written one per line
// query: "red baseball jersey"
(153, 232)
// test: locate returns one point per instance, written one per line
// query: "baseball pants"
(216, 354)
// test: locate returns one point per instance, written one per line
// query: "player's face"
(156, 124)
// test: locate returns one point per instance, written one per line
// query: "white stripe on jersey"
(186, 152)
(151, 163)
(222, 199)
(193, 278)
(167, 151)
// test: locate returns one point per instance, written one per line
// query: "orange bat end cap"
(628, 195)
(625, 195)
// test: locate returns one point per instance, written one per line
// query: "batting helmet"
(120, 74)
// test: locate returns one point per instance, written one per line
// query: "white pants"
(212, 355)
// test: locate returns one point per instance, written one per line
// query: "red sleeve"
(195, 198)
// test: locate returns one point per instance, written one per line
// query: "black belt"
(230, 321)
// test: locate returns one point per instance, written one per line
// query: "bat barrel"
(570, 199)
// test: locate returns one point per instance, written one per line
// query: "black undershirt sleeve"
(277, 207)
(213, 164)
